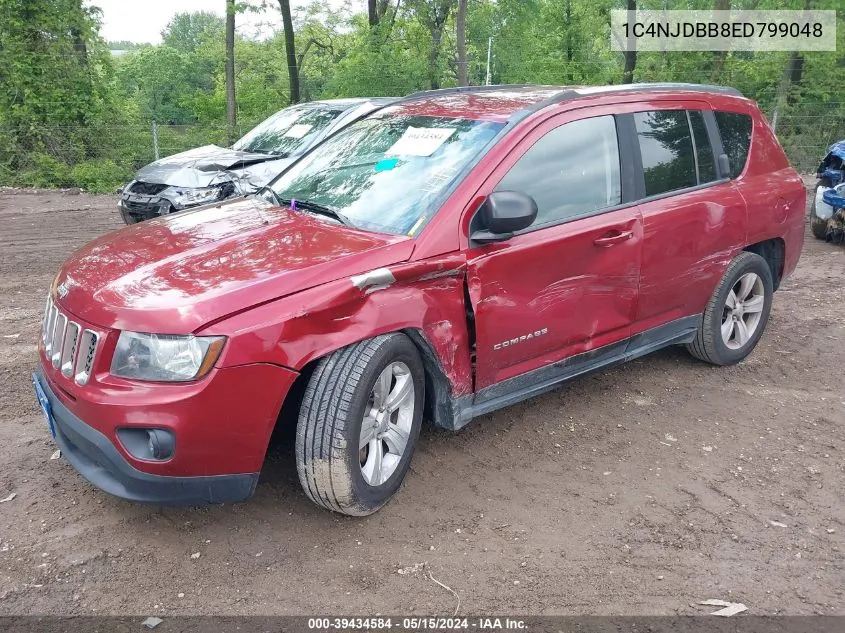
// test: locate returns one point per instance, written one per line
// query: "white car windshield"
(289, 132)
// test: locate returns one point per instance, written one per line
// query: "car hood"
(175, 274)
(210, 164)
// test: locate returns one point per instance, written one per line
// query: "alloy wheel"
(743, 311)
(387, 423)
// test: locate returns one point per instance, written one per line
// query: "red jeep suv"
(450, 254)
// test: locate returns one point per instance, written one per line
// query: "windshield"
(387, 172)
(288, 132)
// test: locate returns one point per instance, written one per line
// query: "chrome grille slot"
(67, 345)
(48, 329)
(58, 339)
(47, 311)
(87, 349)
(69, 348)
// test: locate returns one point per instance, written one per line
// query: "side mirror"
(502, 214)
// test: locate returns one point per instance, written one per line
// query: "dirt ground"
(637, 491)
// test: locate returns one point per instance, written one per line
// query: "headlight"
(184, 197)
(165, 357)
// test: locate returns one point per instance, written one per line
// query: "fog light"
(148, 444)
(154, 444)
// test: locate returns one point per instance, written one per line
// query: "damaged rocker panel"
(543, 379)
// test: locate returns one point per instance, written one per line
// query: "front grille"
(141, 207)
(147, 188)
(143, 210)
(68, 346)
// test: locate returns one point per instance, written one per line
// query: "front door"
(569, 283)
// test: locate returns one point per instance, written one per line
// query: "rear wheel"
(817, 225)
(359, 423)
(737, 313)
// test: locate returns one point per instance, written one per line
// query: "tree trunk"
(793, 73)
(434, 54)
(461, 39)
(570, 54)
(434, 14)
(631, 53)
(719, 56)
(376, 10)
(231, 105)
(290, 51)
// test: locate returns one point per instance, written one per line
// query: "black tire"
(708, 344)
(819, 228)
(128, 218)
(817, 225)
(327, 434)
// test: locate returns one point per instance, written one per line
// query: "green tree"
(433, 15)
(187, 31)
(52, 70)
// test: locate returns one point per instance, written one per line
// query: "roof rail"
(462, 89)
(573, 92)
(577, 92)
(569, 93)
(664, 85)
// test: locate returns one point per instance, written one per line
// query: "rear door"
(568, 283)
(694, 219)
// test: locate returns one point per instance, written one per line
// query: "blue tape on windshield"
(386, 164)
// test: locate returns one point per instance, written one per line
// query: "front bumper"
(94, 456)
(144, 201)
(144, 207)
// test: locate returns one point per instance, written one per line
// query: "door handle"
(615, 238)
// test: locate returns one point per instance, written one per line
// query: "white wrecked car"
(211, 173)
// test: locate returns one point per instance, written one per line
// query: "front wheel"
(359, 423)
(737, 313)
(128, 218)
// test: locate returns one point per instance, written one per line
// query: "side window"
(703, 148)
(666, 149)
(735, 129)
(571, 171)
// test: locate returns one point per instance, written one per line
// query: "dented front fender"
(425, 296)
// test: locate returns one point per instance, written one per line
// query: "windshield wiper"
(268, 194)
(296, 203)
(265, 152)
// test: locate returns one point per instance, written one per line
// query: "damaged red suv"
(448, 255)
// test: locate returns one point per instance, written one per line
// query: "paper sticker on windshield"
(298, 131)
(420, 141)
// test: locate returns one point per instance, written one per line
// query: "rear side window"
(666, 149)
(703, 148)
(570, 172)
(735, 130)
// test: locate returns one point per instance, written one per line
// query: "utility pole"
(231, 104)
(489, 57)
(155, 139)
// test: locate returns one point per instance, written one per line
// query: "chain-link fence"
(101, 158)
